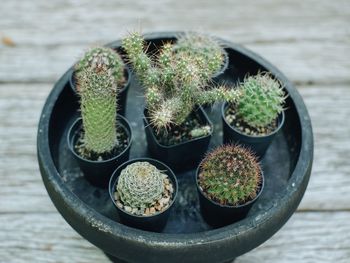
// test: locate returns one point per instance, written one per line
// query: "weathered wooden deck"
(308, 40)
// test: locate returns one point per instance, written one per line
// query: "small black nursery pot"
(182, 156)
(122, 95)
(258, 144)
(218, 215)
(98, 173)
(155, 222)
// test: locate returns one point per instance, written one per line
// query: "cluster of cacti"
(97, 76)
(230, 175)
(174, 83)
(206, 51)
(261, 100)
(140, 185)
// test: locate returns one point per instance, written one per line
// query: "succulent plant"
(97, 76)
(206, 51)
(261, 100)
(230, 175)
(174, 84)
(140, 185)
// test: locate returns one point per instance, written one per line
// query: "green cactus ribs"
(230, 175)
(122, 143)
(190, 129)
(143, 190)
(256, 110)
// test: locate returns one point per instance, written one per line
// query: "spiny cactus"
(140, 185)
(206, 51)
(97, 75)
(175, 83)
(230, 175)
(261, 100)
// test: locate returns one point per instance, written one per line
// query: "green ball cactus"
(97, 76)
(175, 83)
(261, 100)
(140, 185)
(230, 175)
(207, 51)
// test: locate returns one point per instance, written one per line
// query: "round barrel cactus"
(230, 175)
(97, 76)
(261, 100)
(140, 185)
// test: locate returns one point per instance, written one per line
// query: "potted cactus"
(143, 191)
(100, 140)
(117, 68)
(174, 90)
(257, 116)
(229, 180)
(205, 50)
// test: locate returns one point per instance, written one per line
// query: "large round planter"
(186, 237)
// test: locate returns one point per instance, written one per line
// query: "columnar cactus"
(261, 100)
(174, 84)
(206, 51)
(97, 76)
(230, 175)
(140, 185)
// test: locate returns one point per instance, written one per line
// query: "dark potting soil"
(122, 143)
(238, 123)
(180, 133)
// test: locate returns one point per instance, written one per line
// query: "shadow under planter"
(182, 156)
(97, 172)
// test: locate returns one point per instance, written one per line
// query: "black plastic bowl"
(218, 215)
(186, 236)
(121, 96)
(258, 144)
(99, 172)
(151, 223)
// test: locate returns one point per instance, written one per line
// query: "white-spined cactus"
(261, 100)
(174, 84)
(140, 185)
(97, 76)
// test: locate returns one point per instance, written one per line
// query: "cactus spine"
(140, 185)
(174, 83)
(230, 175)
(97, 75)
(261, 100)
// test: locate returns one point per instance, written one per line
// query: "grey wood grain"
(306, 40)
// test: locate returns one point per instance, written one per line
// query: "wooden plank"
(306, 40)
(302, 62)
(307, 237)
(21, 188)
(65, 22)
